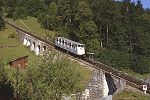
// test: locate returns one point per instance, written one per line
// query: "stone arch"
(32, 46)
(111, 85)
(28, 42)
(37, 49)
(25, 41)
(44, 48)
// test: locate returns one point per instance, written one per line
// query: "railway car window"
(70, 44)
(73, 46)
(82, 46)
(63, 41)
(59, 40)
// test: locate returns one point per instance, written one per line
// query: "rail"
(130, 80)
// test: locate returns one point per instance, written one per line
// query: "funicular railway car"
(69, 45)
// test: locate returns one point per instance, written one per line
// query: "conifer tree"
(87, 29)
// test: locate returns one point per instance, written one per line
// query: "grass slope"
(30, 24)
(132, 73)
(10, 53)
(129, 95)
(4, 37)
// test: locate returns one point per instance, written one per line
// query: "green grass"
(129, 95)
(132, 73)
(11, 53)
(4, 37)
(86, 73)
(30, 24)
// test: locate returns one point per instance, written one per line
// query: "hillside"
(116, 31)
(30, 24)
(10, 46)
(130, 95)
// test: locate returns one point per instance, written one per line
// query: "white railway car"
(69, 45)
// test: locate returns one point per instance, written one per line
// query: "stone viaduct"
(34, 44)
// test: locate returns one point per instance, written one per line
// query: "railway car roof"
(70, 41)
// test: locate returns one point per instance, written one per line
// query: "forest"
(118, 32)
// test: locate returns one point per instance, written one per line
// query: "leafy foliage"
(114, 25)
(52, 77)
(119, 60)
(141, 64)
(2, 23)
(20, 13)
(3, 78)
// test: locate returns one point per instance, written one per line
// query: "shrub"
(141, 64)
(117, 59)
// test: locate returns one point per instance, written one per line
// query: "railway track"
(130, 80)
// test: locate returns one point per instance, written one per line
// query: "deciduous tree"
(51, 78)
(2, 23)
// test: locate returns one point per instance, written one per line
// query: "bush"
(51, 77)
(20, 13)
(141, 64)
(114, 58)
(121, 60)
(13, 35)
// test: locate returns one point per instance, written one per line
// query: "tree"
(141, 64)
(49, 19)
(2, 23)
(52, 77)
(140, 9)
(103, 14)
(86, 27)
(18, 81)
(67, 12)
(35, 7)
(47, 2)
(20, 13)
(10, 7)
(5, 85)
(3, 78)
(141, 43)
